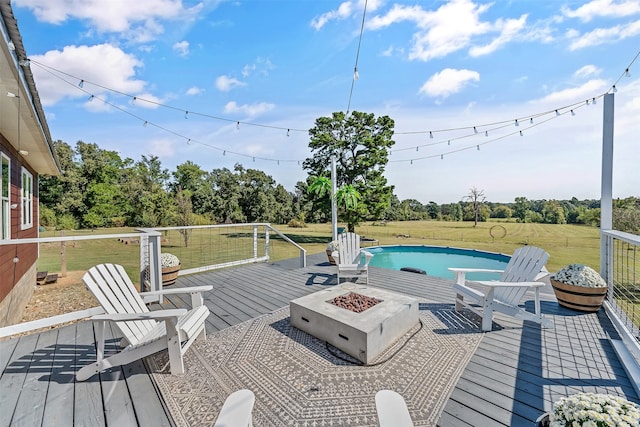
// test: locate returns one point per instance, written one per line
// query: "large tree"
(360, 143)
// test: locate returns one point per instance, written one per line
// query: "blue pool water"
(435, 260)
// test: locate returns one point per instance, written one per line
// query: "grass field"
(565, 243)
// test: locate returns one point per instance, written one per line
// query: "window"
(5, 206)
(27, 199)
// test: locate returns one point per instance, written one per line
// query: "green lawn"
(565, 243)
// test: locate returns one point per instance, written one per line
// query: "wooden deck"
(517, 372)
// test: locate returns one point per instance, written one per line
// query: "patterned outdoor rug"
(298, 381)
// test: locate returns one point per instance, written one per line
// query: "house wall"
(17, 279)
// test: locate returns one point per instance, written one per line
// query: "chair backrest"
(525, 264)
(348, 248)
(115, 292)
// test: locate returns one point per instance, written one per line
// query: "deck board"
(515, 374)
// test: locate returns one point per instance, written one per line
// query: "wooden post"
(63, 257)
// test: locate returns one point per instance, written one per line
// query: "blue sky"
(173, 79)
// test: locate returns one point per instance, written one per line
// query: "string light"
(558, 111)
(478, 147)
(441, 156)
(189, 141)
(486, 133)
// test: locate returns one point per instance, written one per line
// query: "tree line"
(98, 188)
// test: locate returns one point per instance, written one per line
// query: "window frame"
(5, 201)
(26, 199)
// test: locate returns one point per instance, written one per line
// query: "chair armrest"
(194, 291)
(367, 255)
(461, 273)
(174, 291)
(152, 315)
(474, 270)
(497, 284)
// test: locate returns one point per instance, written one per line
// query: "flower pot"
(543, 420)
(579, 298)
(169, 275)
(332, 261)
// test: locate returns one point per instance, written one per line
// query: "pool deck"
(514, 376)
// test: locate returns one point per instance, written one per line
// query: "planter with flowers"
(591, 409)
(170, 268)
(331, 248)
(579, 287)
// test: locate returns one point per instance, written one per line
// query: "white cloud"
(345, 10)
(147, 100)
(601, 36)
(599, 8)
(182, 48)
(162, 148)
(509, 29)
(261, 66)
(448, 82)
(574, 94)
(137, 21)
(103, 64)
(440, 32)
(194, 90)
(226, 83)
(587, 71)
(250, 110)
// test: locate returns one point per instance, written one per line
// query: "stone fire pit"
(364, 334)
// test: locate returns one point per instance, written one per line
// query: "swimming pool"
(435, 260)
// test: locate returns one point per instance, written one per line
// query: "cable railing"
(199, 249)
(621, 270)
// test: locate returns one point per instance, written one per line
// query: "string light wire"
(486, 127)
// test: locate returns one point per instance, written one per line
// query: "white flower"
(594, 410)
(579, 275)
(169, 260)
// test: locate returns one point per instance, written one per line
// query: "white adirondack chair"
(350, 259)
(521, 274)
(392, 410)
(144, 332)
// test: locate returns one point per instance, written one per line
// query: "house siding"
(17, 279)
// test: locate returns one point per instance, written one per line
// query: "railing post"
(266, 240)
(155, 267)
(255, 242)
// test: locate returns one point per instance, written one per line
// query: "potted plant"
(579, 287)
(332, 247)
(170, 268)
(592, 409)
